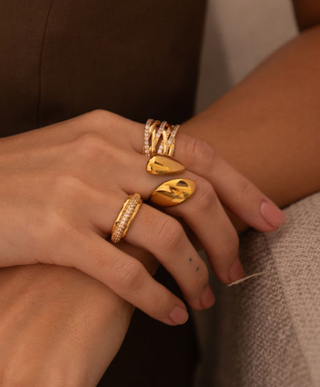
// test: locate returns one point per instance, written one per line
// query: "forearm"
(268, 127)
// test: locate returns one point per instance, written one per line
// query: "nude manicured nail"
(272, 214)
(179, 315)
(207, 299)
(236, 271)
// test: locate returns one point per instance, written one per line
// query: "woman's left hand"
(220, 188)
(217, 183)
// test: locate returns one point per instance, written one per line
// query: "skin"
(56, 326)
(281, 148)
(253, 119)
(59, 203)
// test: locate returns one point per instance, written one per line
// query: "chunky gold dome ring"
(163, 165)
(173, 192)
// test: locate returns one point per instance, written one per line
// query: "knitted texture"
(267, 333)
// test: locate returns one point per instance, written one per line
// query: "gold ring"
(149, 135)
(168, 140)
(173, 192)
(128, 212)
(159, 138)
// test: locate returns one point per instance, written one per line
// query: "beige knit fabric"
(266, 331)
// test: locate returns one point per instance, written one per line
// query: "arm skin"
(268, 127)
(66, 326)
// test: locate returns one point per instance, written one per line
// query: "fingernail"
(207, 299)
(236, 271)
(178, 315)
(272, 214)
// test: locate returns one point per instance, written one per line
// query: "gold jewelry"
(164, 131)
(163, 165)
(172, 140)
(149, 133)
(168, 141)
(159, 138)
(128, 212)
(173, 192)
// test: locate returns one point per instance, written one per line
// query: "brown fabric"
(166, 357)
(62, 58)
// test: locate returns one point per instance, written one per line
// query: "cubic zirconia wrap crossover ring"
(159, 138)
(159, 144)
(126, 216)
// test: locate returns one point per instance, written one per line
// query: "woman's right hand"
(59, 327)
(61, 190)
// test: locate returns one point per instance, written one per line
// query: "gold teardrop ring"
(173, 192)
(163, 165)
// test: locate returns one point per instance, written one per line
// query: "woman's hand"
(62, 189)
(59, 327)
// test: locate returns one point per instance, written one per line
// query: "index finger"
(235, 191)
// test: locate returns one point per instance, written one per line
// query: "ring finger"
(204, 213)
(164, 237)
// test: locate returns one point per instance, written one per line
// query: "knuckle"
(169, 233)
(200, 153)
(62, 218)
(127, 275)
(104, 120)
(98, 117)
(205, 195)
(101, 119)
(56, 226)
(91, 146)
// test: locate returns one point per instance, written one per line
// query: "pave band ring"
(128, 212)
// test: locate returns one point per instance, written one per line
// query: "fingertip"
(236, 271)
(272, 215)
(178, 315)
(207, 299)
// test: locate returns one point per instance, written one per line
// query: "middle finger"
(203, 212)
